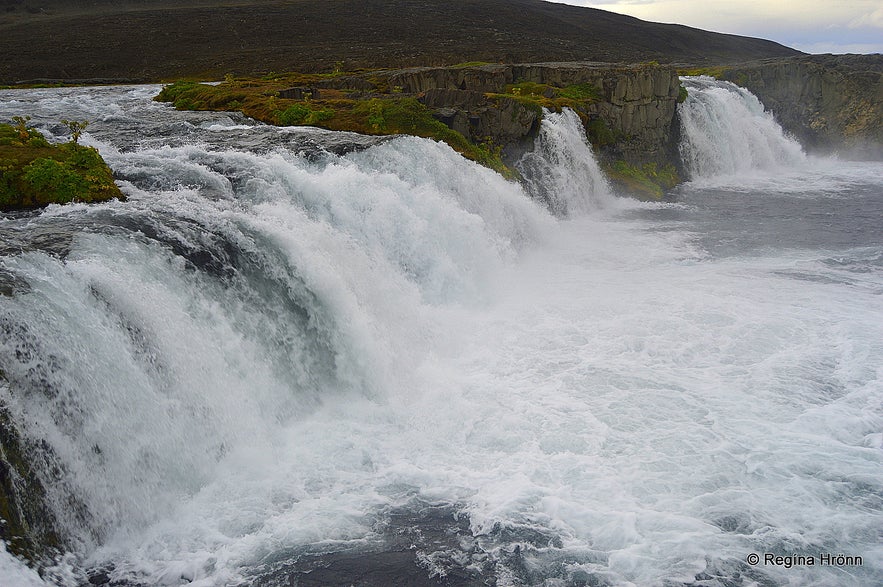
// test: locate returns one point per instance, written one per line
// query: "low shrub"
(302, 114)
(34, 173)
(647, 180)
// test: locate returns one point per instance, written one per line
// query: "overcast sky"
(812, 26)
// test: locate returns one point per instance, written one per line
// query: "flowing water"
(303, 357)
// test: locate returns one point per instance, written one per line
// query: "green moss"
(538, 96)
(19, 133)
(408, 116)
(173, 91)
(530, 102)
(531, 89)
(649, 180)
(740, 78)
(582, 92)
(717, 72)
(599, 133)
(300, 113)
(34, 173)
(471, 64)
(48, 176)
(187, 95)
(390, 113)
(682, 94)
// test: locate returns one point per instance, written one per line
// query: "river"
(302, 357)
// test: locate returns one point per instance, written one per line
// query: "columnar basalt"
(829, 102)
(629, 110)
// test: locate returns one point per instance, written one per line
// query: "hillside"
(164, 39)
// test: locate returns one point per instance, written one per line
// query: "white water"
(15, 573)
(262, 353)
(562, 170)
(727, 132)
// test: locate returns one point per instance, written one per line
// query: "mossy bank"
(490, 113)
(35, 173)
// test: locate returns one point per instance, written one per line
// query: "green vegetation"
(76, 128)
(35, 173)
(539, 96)
(387, 111)
(374, 106)
(599, 132)
(717, 72)
(303, 114)
(530, 89)
(648, 180)
(471, 64)
(187, 95)
(582, 92)
(720, 72)
(682, 94)
(406, 115)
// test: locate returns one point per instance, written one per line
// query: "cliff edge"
(488, 112)
(831, 103)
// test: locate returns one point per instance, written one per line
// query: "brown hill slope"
(163, 39)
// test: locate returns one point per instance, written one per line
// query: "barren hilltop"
(154, 40)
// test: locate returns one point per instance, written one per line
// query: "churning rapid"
(726, 131)
(302, 357)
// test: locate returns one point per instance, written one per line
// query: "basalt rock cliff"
(629, 110)
(829, 102)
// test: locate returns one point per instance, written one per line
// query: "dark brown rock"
(300, 94)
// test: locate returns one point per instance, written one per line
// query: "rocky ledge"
(628, 110)
(492, 112)
(488, 112)
(829, 102)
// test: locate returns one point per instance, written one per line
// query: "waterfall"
(725, 131)
(297, 356)
(158, 346)
(562, 169)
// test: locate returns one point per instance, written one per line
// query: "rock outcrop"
(35, 173)
(26, 523)
(829, 102)
(490, 113)
(629, 110)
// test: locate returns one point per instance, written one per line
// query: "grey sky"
(813, 26)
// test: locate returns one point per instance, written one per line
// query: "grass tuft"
(34, 173)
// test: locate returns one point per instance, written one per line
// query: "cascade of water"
(272, 355)
(234, 293)
(725, 131)
(562, 169)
